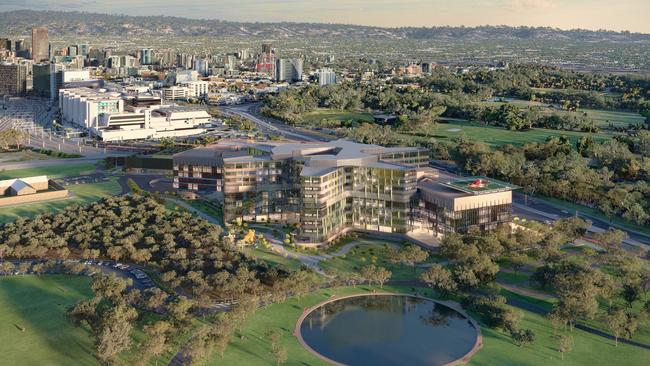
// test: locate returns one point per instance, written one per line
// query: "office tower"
(41, 84)
(230, 62)
(266, 60)
(326, 76)
(185, 60)
(40, 44)
(15, 77)
(244, 54)
(288, 69)
(82, 49)
(146, 56)
(267, 48)
(201, 66)
(18, 45)
(5, 44)
(428, 67)
(72, 51)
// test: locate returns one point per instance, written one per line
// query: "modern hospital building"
(332, 187)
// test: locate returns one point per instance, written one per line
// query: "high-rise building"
(82, 49)
(42, 79)
(230, 62)
(40, 44)
(201, 66)
(73, 51)
(428, 67)
(266, 60)
(16, 77)
(146, 56)
(5, 44)
(326, 76)
(288, 69)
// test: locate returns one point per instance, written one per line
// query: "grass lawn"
(495, 136)
(210, 208)
(55, 171)
(252, 348)
(314, 117)
(619, 119)
(274, 259)
(38, 304)
(82, 193)
(368, 252)
(23, 155)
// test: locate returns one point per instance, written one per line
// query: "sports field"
(34, 329)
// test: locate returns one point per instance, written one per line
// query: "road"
(251, 111)
(141, 282)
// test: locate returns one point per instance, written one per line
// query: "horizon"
(587, 14)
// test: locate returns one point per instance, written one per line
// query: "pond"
(388, 330)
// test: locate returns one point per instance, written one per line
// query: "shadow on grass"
(46, 335)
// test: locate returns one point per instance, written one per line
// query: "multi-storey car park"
(331, 188)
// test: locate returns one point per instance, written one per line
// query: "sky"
(632, 15)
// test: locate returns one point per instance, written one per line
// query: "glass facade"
(370, 188)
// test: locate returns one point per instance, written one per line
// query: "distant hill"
(77, 23)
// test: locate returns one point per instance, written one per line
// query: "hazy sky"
(633, 15)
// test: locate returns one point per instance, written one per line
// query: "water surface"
(388, 330)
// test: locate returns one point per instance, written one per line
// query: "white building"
(288, 69)
(151, 122)
(326, 76)
(69, 76)
(175, 93)
(105, 115)
(82, 106)
(196, 89)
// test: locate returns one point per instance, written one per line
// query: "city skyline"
(565, 14)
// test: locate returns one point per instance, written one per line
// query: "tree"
(564, 344)
(6, 267)
(273, 336)
(631, 325)
(280, 355)
(631, 292)
(413, 254)
(221, 332)
(616, 321)
(523, 337)
(611, 238)
(244, 309)
(373, 274)
(517, 261)
(179, 309)
(114, 333)
(440, 279)
(382, 275)
(156, 343)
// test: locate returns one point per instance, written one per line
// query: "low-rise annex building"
(29, 189)
(332, 187)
